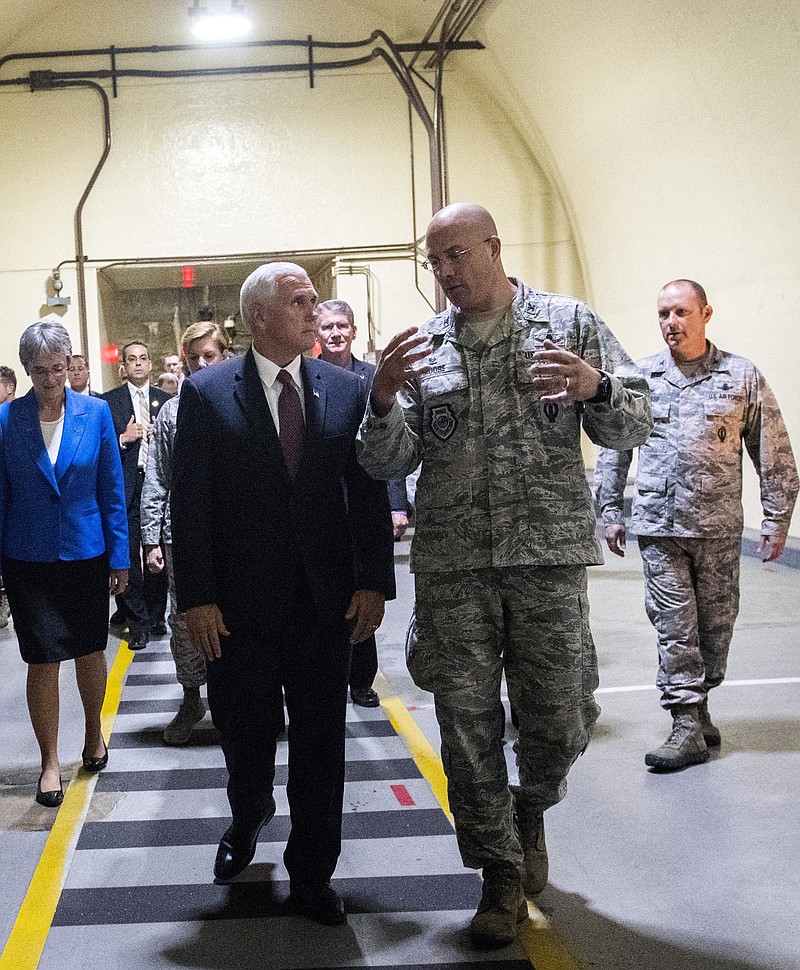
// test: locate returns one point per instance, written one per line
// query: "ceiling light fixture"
(225, 21)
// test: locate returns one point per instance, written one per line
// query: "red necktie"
(290, 419)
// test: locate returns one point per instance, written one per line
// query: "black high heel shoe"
(95, 764)
(50, 799)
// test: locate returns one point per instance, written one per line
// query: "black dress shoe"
(365, 698)
(117, 618)
(318, 901)
(236, 849)
(50, 799)
(95, 764)
(137, 638)
(158, 631)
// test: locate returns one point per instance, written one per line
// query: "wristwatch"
(603, 395)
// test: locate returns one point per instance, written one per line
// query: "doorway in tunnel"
(155, 301)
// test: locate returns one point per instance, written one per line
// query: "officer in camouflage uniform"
(687, 508)
(492, 397)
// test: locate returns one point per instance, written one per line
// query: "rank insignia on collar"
(443, 421)
(550, 411)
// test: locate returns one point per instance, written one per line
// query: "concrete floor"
(697, 870)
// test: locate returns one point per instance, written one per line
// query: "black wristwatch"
(603, 395)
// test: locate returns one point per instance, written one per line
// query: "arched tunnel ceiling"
(635, 109)
(668, 129)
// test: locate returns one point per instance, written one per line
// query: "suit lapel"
(28, 417)
(75, 420)
(248, 392)
(316, 401)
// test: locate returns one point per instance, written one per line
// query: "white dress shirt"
(268, 372)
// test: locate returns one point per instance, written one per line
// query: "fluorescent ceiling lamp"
(227, 23)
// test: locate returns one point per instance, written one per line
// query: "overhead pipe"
(392, 56)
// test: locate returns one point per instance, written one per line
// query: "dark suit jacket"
(73, 511)
(119, 400)
(241, 526)
(398, 496)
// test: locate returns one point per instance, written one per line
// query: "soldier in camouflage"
(203, 344)
(491, 396)
(687, 508)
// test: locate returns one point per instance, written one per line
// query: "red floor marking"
(402, 795)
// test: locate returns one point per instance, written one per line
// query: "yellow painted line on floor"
(26, 941)
(542, 947)
(425, 758)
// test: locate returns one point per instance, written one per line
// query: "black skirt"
(60, 609)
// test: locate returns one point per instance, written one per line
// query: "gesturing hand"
(561, 376)
(396, 366)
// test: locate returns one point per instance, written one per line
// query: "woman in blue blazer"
(63, 540)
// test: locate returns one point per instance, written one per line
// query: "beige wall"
(671, 129)
(619, 145)
(248, 164)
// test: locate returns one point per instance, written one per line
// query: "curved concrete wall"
(620, 145)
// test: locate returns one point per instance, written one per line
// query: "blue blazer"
(75, 510)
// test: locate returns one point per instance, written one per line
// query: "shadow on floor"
(602, 943)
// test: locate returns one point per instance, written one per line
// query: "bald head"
(464, 252)
(465, 214)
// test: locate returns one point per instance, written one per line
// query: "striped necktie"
(144, 420)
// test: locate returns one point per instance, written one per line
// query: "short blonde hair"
(199, 331)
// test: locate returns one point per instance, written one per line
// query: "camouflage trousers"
(692, 599)
(190, 664)
(533, 624)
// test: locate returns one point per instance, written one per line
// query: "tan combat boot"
(685, 745)
(501, 908)
(179, 730)
(535, 865)
(710, 730)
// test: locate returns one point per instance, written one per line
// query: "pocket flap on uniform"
(651, 484)
(717, 409)
(660, 410)
(458, 497)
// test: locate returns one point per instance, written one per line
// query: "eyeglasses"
(451, 257)
(56, 370)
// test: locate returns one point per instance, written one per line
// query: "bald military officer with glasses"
(491, 396)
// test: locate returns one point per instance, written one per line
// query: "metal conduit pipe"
(351, 269)
(113, 52)
(46, 80)
(390, 251)
(41, 81)
(453, 31)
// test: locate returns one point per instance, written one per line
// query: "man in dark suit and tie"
(134, 407)
(336, 329)
(282, 548)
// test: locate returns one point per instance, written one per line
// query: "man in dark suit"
(78, 376)
(336, 330)
(134, 407)
(282, 548)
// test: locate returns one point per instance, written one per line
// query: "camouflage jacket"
(154, 507)
(689, 476)
(503, 481)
